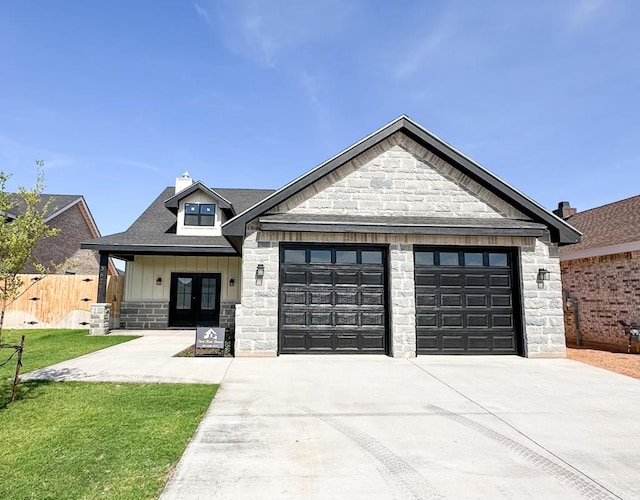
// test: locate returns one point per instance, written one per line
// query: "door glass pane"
(294, 256)
(183, 293)
(472, 259)
(371, 257)
(498, 259)
(346, 257)
(208, 294)
(320, 256)
(424, 258)
(449, 259)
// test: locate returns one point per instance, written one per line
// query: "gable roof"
(561, 231)
(609, 229)
(172, 203)
(154, 231)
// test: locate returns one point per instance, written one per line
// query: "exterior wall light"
(543, 275)
(159, 280)
(260, 272)
(232, 282)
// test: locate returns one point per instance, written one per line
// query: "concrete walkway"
(373, 427)
(147, 359)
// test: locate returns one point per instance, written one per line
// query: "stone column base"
(100, 317)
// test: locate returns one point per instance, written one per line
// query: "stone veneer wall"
(144, 315)
(607, 289)
(257, 317)
(155, 314)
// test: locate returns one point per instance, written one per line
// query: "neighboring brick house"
(71, 216)
(601, 274)
(398, 245)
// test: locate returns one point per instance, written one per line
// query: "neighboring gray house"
(398, 245)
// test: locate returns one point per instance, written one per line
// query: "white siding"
(142, 273)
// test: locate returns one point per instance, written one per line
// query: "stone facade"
(227, 314)
(100, 319)
(144, 315)
(600, 291)
(256, 318)
(398, 177)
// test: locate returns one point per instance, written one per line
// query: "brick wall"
(66, 244)
(607, 289)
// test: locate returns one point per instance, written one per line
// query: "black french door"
(194, 299)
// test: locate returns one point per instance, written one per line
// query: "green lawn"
(68, 440)
(47, 347)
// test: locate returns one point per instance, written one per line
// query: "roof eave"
(561, 231)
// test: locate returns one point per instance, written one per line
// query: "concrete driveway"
(334, 427)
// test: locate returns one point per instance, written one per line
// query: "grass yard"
(47, 347)
(65, 440)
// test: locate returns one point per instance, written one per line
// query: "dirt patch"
(190, 352)
(623, 363)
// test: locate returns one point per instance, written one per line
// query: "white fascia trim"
(598, 252)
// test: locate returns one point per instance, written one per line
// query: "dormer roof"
(173, 202)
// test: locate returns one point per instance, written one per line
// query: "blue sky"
(119, 97)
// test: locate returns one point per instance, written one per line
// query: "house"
(601, 274)
(398, 245)
(61, 300)
(69, 214)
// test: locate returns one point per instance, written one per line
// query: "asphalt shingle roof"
(613, 224)
(156, 226)
(58, 202)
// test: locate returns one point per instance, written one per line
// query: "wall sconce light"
(159, 281)
(260, 272)
(543, 275)
(232, 282)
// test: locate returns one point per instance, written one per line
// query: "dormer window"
(199, 214)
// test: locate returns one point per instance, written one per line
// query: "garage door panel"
(426, 280)
(450, 300)
(339, 306)
(346, 319)
(500, 300)
(477, 320)
(346, 278)
(371, 278)
(499, 281)
(464, 302)
(450, 280)
(321, 297)
(295, 277)
(294, 318)
(373, 298)
(425, 299)
(475, 300)
(502, 320)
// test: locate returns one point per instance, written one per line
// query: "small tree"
(20, 230)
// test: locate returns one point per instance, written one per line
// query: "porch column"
(102, 277)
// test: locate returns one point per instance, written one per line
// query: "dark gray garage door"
(332, 300)
(465, 302)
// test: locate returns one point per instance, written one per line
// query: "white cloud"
(202, 12)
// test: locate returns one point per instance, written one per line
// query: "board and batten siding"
(142, 273)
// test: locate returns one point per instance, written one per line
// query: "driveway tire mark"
(399, 472)
(583, 484)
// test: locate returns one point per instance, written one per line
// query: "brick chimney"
(564, 210)
(183, 182)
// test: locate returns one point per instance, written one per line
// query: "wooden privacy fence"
(61, 301)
